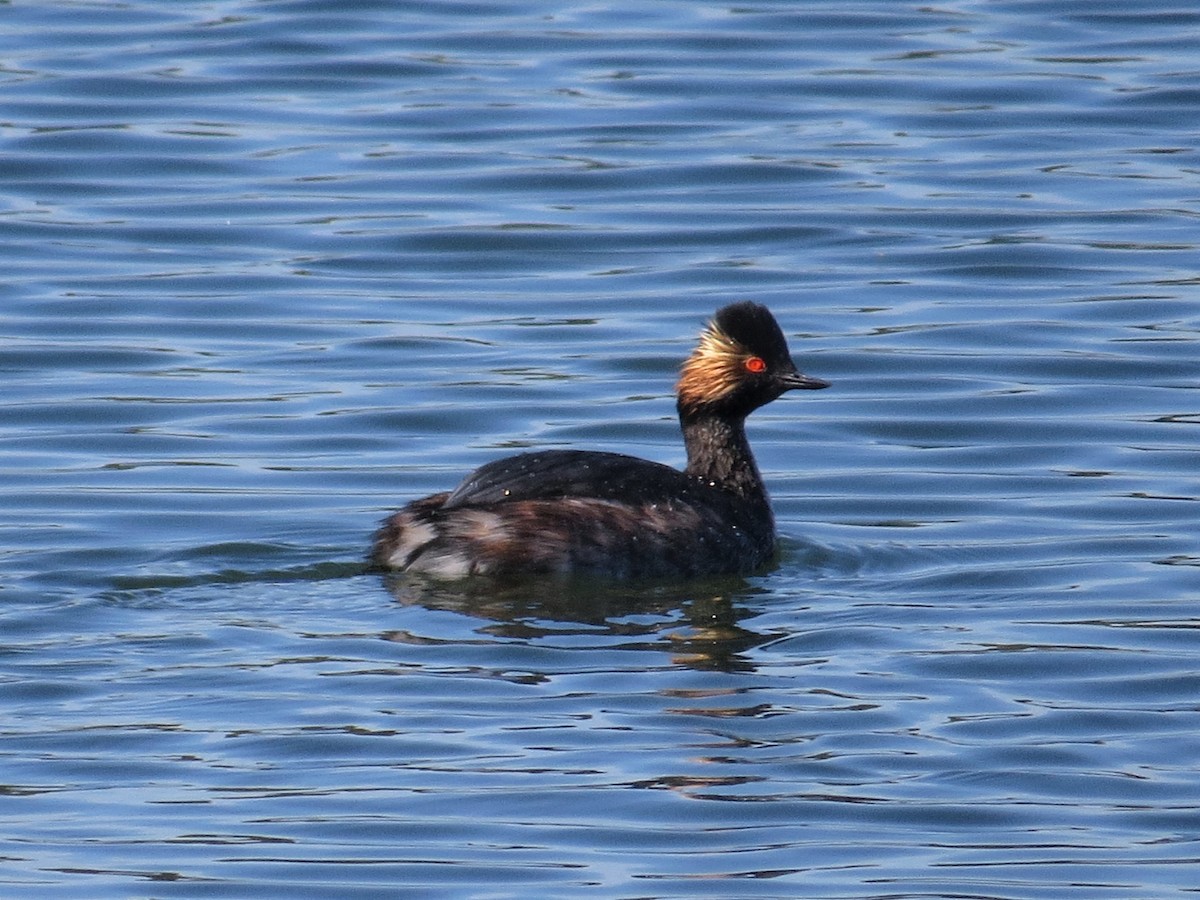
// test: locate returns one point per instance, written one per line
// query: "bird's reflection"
(697, 623)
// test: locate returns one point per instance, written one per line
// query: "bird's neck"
(718, 452)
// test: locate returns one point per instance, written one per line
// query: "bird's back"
(570, 512)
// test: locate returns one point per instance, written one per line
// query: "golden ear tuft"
(713, 370)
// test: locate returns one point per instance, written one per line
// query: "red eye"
(756, 364)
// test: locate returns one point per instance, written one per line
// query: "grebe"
(573, 511)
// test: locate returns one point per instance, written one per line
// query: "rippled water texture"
(273, 268)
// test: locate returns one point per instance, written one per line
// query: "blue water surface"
(274, 268)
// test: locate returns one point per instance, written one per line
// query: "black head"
(741, 363)
(752, 326)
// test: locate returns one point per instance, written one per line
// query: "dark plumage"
(573, 511)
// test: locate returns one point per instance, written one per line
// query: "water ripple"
(272, 269)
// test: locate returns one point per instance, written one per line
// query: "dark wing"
(553, 474)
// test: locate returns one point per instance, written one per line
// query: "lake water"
(274, 268)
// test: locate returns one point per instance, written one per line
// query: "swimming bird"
(569, 512)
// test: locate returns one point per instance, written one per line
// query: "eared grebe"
(572, 511)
